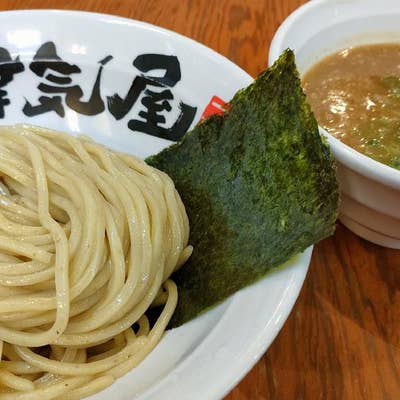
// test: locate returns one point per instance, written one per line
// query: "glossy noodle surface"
(88, 240)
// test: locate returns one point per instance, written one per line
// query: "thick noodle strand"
(88, 240)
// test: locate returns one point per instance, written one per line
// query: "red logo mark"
(215, 106)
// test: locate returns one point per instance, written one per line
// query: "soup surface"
(355, 96)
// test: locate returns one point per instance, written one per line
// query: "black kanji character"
(8, 68)
(47, 58)
(155, 102)
(151, 62)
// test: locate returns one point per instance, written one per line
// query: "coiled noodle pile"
(88, 240)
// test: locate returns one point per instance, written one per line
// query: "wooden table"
(342, 339)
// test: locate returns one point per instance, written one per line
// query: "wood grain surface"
(342, 340)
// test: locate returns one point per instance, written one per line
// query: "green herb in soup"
(355, 95)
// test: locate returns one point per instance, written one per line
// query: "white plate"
(206, 357)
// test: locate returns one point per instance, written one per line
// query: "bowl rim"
(346, 155)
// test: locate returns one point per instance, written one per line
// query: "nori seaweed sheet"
(259, 186)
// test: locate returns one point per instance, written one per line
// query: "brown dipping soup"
(355, 96)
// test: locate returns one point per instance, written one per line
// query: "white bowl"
(370, 190)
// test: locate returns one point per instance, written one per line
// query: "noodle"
(88, 240)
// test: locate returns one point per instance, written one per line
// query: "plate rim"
(128, 21)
